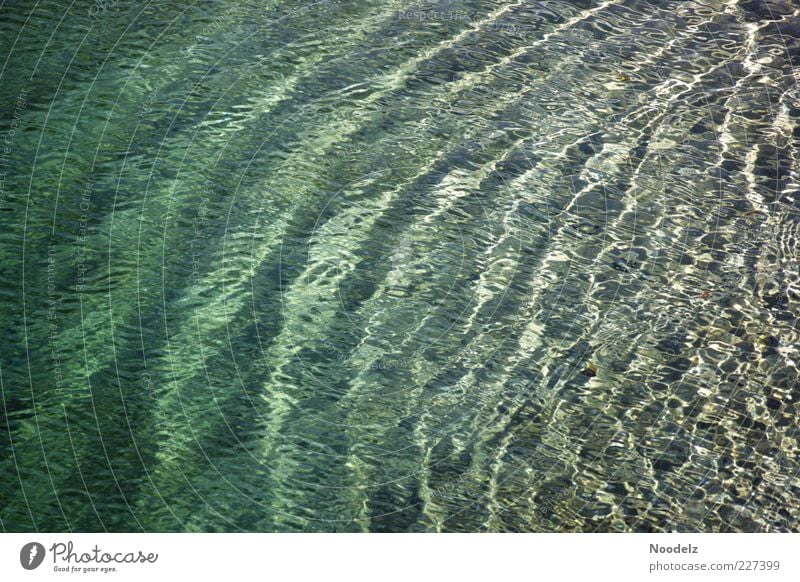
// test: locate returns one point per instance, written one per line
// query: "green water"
(371, 266)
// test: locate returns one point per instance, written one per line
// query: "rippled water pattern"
(372, 266)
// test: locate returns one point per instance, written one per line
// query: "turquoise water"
(372, 266)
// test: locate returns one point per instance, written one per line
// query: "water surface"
(372, 266)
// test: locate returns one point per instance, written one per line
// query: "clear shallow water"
(352, 266)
